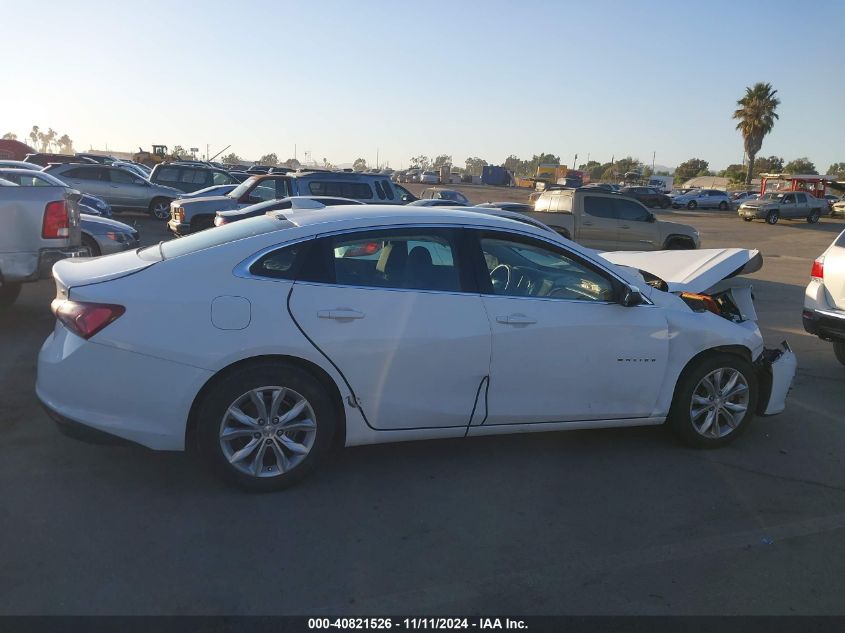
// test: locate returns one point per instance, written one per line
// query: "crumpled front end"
(775, 371)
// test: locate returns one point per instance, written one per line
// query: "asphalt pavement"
(585, 522)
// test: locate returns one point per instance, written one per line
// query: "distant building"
(14, 150)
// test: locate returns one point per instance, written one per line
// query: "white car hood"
(691, 271)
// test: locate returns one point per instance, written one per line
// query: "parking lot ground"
(585, 522)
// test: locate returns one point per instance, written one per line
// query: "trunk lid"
(694, 271)
(82, 271)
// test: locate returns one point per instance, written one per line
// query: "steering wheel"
(500, 277)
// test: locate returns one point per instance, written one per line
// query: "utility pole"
(376, 157)
(653, 157)
(294, 151)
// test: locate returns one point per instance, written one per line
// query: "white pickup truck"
(38, 227)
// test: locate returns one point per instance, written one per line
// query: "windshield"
(242, 188)
(772, 196)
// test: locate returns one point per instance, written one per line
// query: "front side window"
(524, 267)
(802, 197)
(221, 178)
(631, 211)
(122, 177)
(266, 189)
(418, 259)
(789, 198)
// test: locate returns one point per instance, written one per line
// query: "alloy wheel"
(719, 403)
(268, 431)
(161, 210)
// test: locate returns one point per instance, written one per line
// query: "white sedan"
(264, 342)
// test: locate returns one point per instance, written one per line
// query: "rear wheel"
(714, 401)
(748, 219)
(772, 217)
(8, 294)
(160, 208)
(91, 245)
(679, 244)
(839, 350)
(814, 216)
(266, 426)
(692, 204)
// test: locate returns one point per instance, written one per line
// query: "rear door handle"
(340, 314)
(625, 227)
(587, 223)
(515, 319)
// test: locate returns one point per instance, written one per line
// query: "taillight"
(700, 303)
(817, 274)
(85, 319)
(56, 223)
(219, 220)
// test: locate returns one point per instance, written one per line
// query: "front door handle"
(340, 314)
(587, 223)
(515, 319)
(625, 227)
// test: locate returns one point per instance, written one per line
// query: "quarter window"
(281, 263)
(523, 267)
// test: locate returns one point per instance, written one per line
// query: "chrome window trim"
(242, 269)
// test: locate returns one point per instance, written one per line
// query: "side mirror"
(651, 218)
(631, 297)
(406, 198)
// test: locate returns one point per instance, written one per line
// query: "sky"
(490, 78)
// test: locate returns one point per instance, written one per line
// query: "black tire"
(159, 208)
(679, 244)
(814, 216)
(202, 222)
(92, 246)
(680, 417)
(226, 393)
(748, 219)
(8, 294)
(692, 204)
(665, 204)
(723, 206)
(772, 217)
(839, 351)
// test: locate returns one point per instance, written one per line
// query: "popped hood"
(691, 271)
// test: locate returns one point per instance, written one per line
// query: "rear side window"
(599, 207)
(357, 190)
(388, 190)
(85, 173)
(194, 176)
(379, 190)
(168, 174)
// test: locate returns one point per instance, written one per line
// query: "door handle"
(340, 314)
(515, 319)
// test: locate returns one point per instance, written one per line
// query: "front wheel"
(723, 206)
(8, 294)
(692, 204)
(748, 219)
(266, 426)
(839, 351)
(772, 217)
(714, 401)
(665, 204)
(813, 217)
(160, 208)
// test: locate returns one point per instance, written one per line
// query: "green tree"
(770, 165)
(33, 135)
(800, 166)
(442, 159)
(838, 170)
(474, 165)
(231, 159)
(178, 152)
(691, 168)
(616, 170)
(735, 173)
(269, 159)
(360, 164)
(420, 162)
(292, 163)
(756, 115)
(9, 136)
(65, 144)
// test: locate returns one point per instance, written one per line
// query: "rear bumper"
(775, 372)
(826, 324)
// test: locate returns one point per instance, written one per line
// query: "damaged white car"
(264, 342)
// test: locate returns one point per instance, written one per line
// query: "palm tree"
(756, 116)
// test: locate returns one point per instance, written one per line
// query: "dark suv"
(649, 196)
(190, 178)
